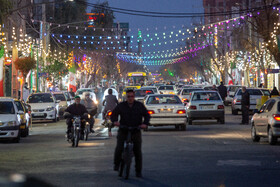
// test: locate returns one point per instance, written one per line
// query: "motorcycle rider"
(110, 102)
(75, 109)
(91, 108)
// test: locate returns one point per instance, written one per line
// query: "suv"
(255, 93)
(9, 119)
(230, 93)
(44, 106)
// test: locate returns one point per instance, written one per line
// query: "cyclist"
(75, 109)
(131, 115)
(91, 108)
(110, 102)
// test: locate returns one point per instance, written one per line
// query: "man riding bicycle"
(131, 115)
(75, 109)
(91, 108)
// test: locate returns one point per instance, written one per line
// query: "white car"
(185, 94)
(205, 105)
(115, 93)
(255, 93)
(44, 106)
(60, 96)
(10, 119)
(166, 110)
(167, 89)
(154, 88)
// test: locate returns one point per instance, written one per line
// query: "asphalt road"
(207, 154)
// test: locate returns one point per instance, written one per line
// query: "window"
(266, 92)
(188, 91)
(166, 88)
(263, 108)
(251, 92)
(6, 107)
(164, 100)
(19, 106)
(270, 105)
(142, 93)
(40, 98)
(206, 96)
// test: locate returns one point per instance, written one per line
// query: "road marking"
(238, 163)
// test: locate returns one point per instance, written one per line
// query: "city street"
(207, 154)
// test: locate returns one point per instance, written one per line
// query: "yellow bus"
(137, 78)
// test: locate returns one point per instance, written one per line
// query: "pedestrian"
(25, 92)
(245, 105)
(131, 114)
(274, 92)
(222, 91)
(214, 88)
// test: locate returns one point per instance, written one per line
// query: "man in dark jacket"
(131, 115)
(274, 92)
(245, 105)
(222, 91)
(75, 109)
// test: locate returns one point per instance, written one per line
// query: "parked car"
(185, 94)
(44, 106)
(154, 88)
(255, 93)
(166, 110)
(69, 98)
(266, 92)
(60, 96)
(266, 121)
(25, 117)
(231, 89)
(9, 120)
(141, 93)
(167, 89)
(205, 105)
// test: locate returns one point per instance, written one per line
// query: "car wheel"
(271, 138)
(55, 117)
(254, 135)
(17, 139)
(234, 112)
(183, 127)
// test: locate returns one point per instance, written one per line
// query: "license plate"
(206, 107)
(38, 114)
(166, 111)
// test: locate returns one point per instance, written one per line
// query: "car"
(10, 120)
(44, 106)
(60, 96)
(205, 105)
(141, 93)
(25, 116)
(154, 88)
(266, 121)
(167, 89)
(255, 93)
(231, 89)
(185, 94)
(69, 98)
(80, 92)
(266, 92)
(129, 88)
(166, 110)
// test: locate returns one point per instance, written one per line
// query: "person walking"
(274, 92)
(245, 105)
(222, 91)
(131, 114)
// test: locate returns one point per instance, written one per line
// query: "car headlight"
(96, 102)
(50, 108)
(11, 123)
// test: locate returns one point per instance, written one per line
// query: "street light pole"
(37, 75)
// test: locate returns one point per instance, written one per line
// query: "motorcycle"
(88, 124)
(76, 131)
(107, 122)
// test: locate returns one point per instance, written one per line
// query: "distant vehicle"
(154, 88)
(25, 117)
(141, 93)
(137, 78)
(70, 99)
(167, 89)
(44, 106)
(185, 94)
(205, 105)
(231, 89)
(266, 121)
(166, 110)
(60, 96)
(81, 92)
(10, 120)
(255, 93)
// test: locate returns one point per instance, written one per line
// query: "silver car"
(231, 89)
(266, 121)
(185, 93)
(141, 93)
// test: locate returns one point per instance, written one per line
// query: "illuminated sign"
(95, 19)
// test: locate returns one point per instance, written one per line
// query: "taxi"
(25, 116)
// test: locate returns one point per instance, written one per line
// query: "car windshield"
(19, 106)
(143, 93)
(188, 91)
(162, 99)
(6, 107)
(80, 92)
(266, 92)
(166, 88)
(40, 98)
(251, 92)
(60, 97)
(205, 96)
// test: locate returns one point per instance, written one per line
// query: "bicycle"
(127, 154)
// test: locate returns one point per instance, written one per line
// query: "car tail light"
(110, 113)
(276, 117)
(221, 107)
(236, 101)
(193, 107)
(151, 112)
(185, 100)
(181, 111)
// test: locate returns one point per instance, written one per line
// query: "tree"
(6, 5)
(24, 65)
